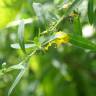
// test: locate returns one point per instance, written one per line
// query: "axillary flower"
(59, 38)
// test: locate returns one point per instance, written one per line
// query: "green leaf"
(22, 71)
(94, 18)
(77, 26)
(73, 6)
(39, 11)
(21, 36)
(17, 22)
(15, 67)
(17, 46)
(90, 11)
(81, 42)
(16, 81)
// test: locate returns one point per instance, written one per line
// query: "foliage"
(44, 51)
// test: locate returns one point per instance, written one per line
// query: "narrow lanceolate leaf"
(15, 67)
(73, 6)
(94, 18)
(77, 26)
(39, 11)
(21, 36)
(17, 46)
(16, 81)
(90, 11)
(81, 42)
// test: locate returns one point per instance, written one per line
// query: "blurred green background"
(63, 71)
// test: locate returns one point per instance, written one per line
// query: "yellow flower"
(60, 38)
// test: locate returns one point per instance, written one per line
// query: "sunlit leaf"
(21, 36)
(73, 6)
(17, 22)
(39, 11)
(17, 46)
(18, 66)
(16, 81)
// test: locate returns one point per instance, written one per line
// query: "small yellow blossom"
(60, 38)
